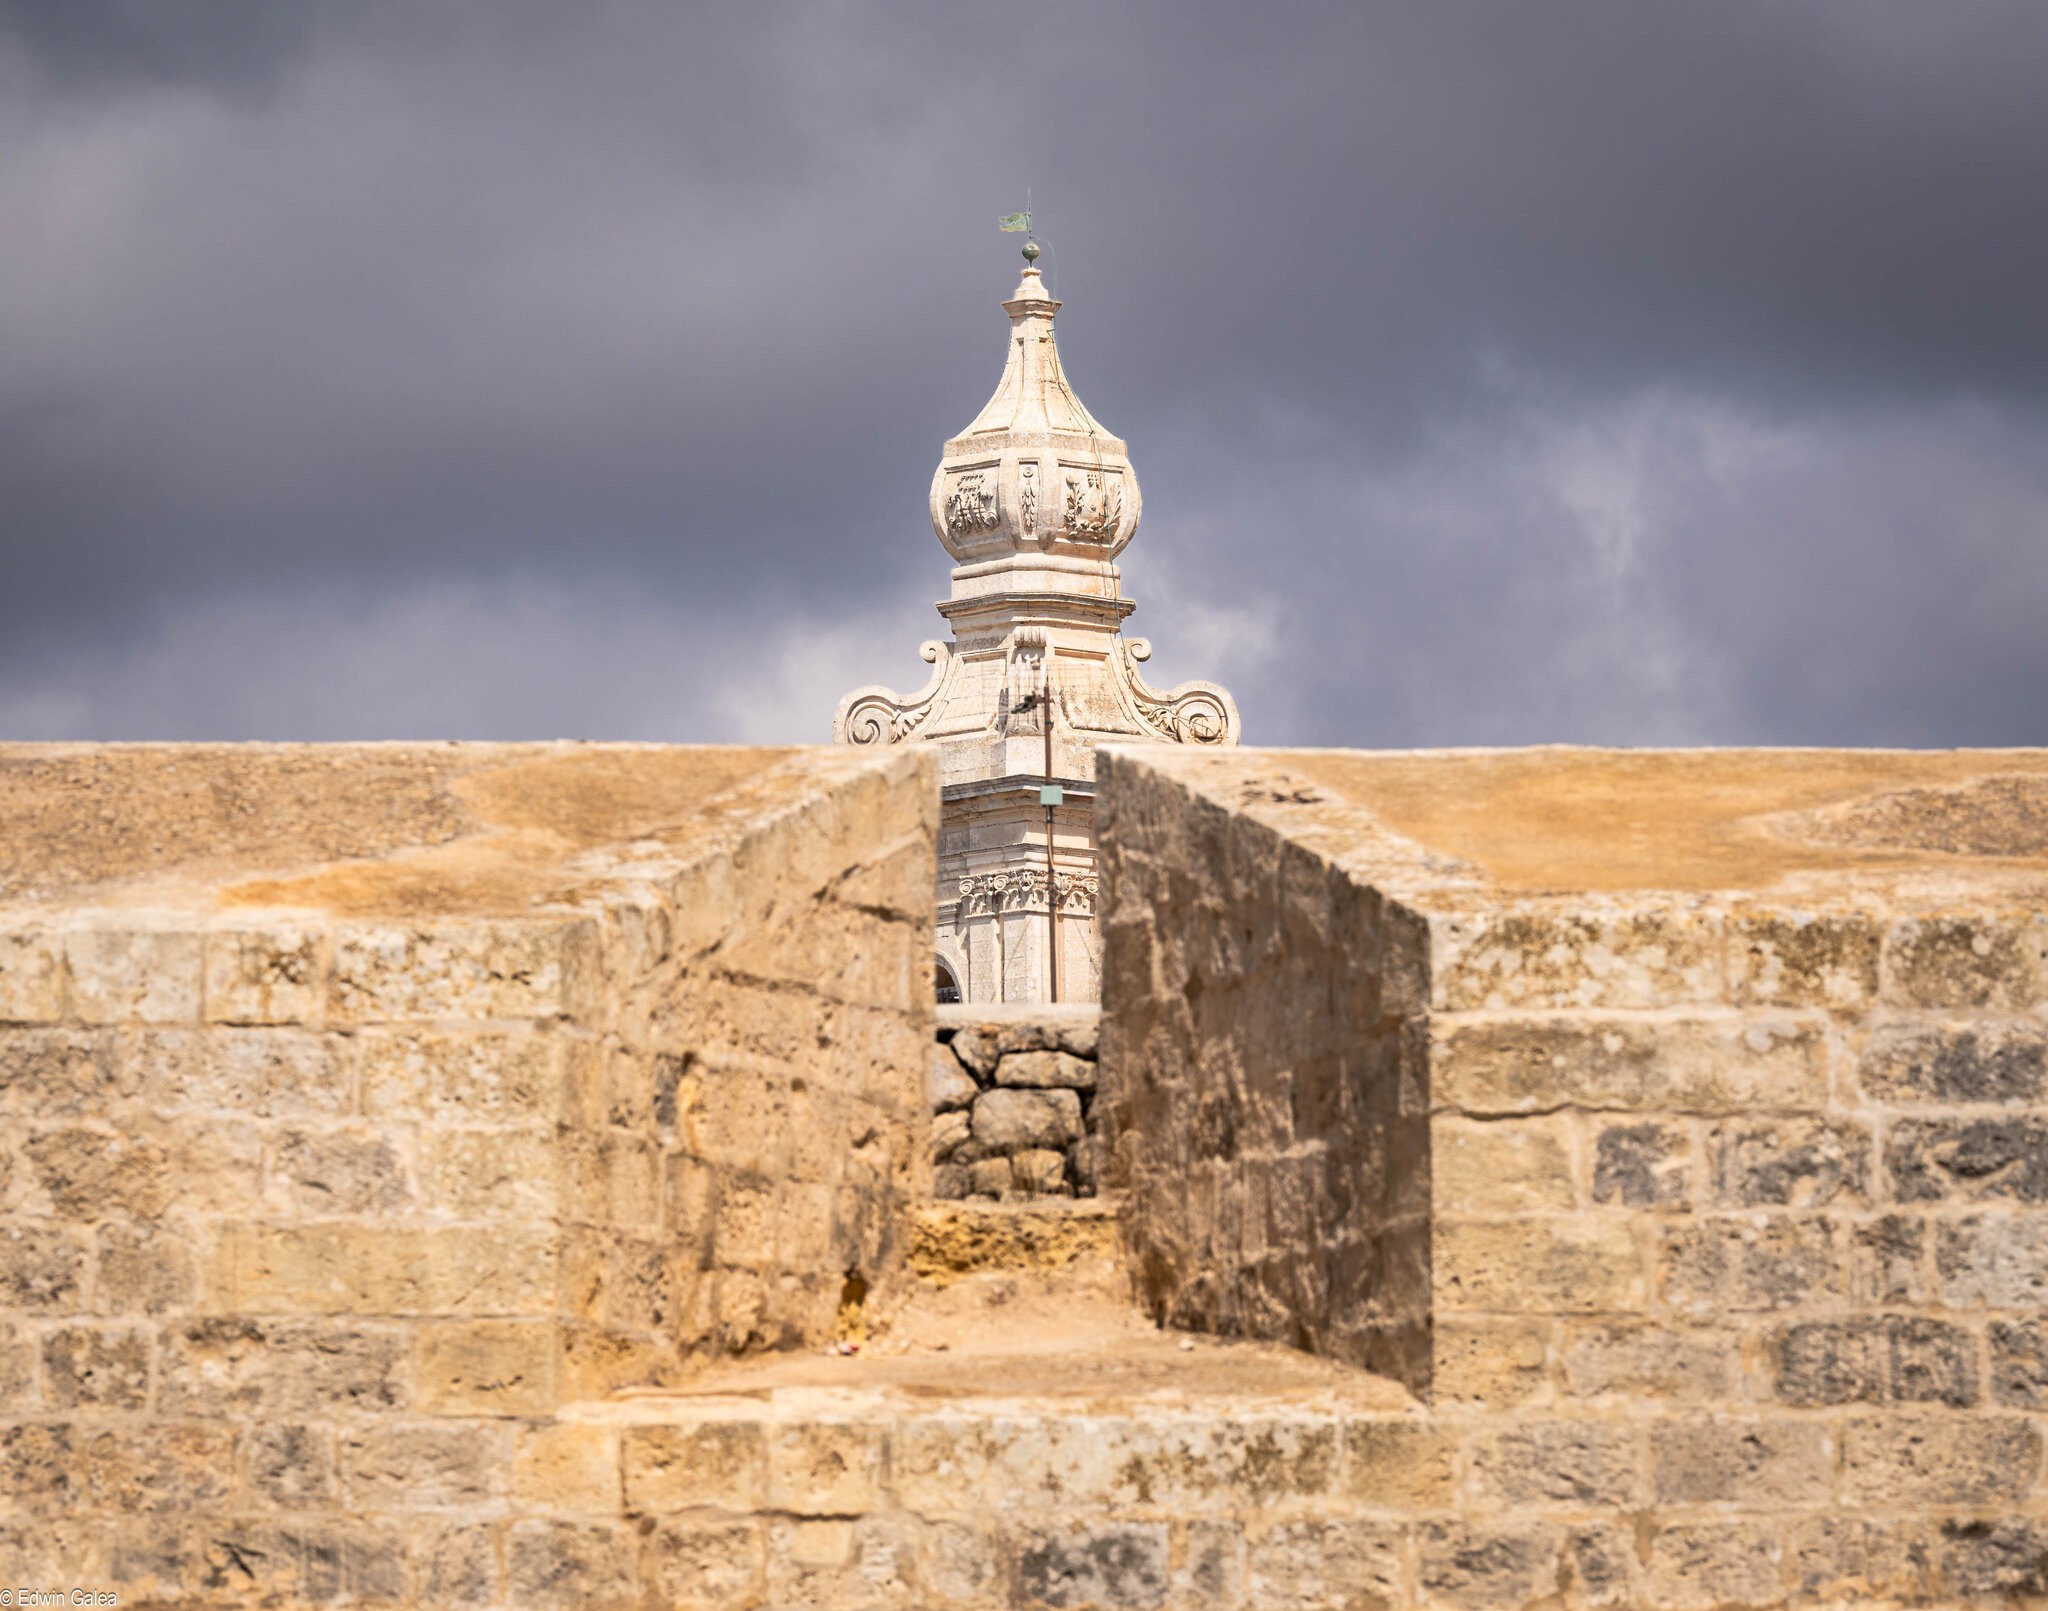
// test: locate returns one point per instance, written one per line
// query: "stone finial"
(1035, 472)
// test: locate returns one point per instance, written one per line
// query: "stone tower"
(1034, 501)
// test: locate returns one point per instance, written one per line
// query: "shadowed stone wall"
(1738, 1209)
(1013, 1102)
(336, 1162)
(1269, 1112)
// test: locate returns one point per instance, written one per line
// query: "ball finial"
(1031, 251)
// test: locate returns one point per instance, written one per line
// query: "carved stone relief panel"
(1091, 502)
(973, 502)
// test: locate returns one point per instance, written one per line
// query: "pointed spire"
(1035, 470)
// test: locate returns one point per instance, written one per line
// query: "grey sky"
(1495, 373)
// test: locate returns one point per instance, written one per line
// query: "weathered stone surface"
(1502, 1167)
(1878, 1359)
(1007, 1121)
(1698, 1065)
(1568, 1265)
(1937, 1064)
(1106, 1565)
(948, 1085)
(1752, 1464)
(1700, 1565)
(1580, 1463)
(1996, 1260)
(1756, 1263)
(1045, 1070)
(2019, 1363)
(1805, 960)
(1642, 1360)
(1040, 1172)
(1788, 1163)
(1969, 1160)
(1939, 1459)
(1645, 1165)
(1965, 962)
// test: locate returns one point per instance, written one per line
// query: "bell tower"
(1034, 501)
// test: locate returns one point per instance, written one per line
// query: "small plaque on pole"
(1051, 794)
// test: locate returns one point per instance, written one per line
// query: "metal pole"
(1052, 894)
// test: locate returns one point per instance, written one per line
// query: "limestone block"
(1037, 1172)
(1045, 1070)
(1998, 1261)
(1008, 1121)
(1644, 1164)
(1788, 1163)
(289, 1464)
(487, 1367)
(1875, 1359)
(1571, 1264)
(41, 1465)
(1803, 959)
(489, 1174)
(2007, 1558)
(1475, 1565)
(373, 1269)
(989, 1177)
(1501, 1167)
(976, 1048)
(257, 1073)
(1941, 1065)
(272, 1369)
(92, 1367)
(267, 973)
(707, 1563)
(134, 975)
(1396, 1463)
(948, 1086)
(42, 1268)
(1700, 1065)
(722, 1464)
(157, 1466)
(1495, 1362)
(52, 1073)
(31, 976)
(1640, 1360)
(385, 973)
(472, 1078)
(1853, 1560)
(1992, 961)
(2002, 1159)
(961, 1562)
(1749, 1263)
(337, 1171)
(950, 1137)
(567, 1466)
(1702, 1565)
(827, 1468)
(1939, 1458)
(572, 1566)
(1530, 956)
(18, 1361)
(1099, 1563)
(1578, 1463)
(1885, 1261)
(2019, 1363)
(1754, 1464)
(424, 1466)
(456, 1563)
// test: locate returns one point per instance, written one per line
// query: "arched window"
(947, 987)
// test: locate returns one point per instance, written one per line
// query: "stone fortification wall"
(1013, 1102)
(1738, 1218)
(333, 1165)
(1269, 1107)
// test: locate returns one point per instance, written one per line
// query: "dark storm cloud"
(1494, 372)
